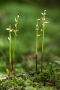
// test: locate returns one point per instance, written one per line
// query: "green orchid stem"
(36, 45)
(36, 41)
(15, 31)
(42, 60)
(10, 53)
(43, 29)
(13, 52)
(42, 51)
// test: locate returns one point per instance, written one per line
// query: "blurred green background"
(29, 11)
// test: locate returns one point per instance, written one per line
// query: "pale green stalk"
(10, 50)
(43, 29)
(9, 42)
(15, 34)
(37, 28)
(10, 46)
(37, 38)
(13, 54)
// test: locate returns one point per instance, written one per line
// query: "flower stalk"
(43, 30)
(37, 28)
(15, 34)
(9, 43)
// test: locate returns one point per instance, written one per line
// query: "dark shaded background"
(41, 2)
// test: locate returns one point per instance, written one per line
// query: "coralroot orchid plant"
(9, 42)
(15, 34)
(37, 35)
(43, 29)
